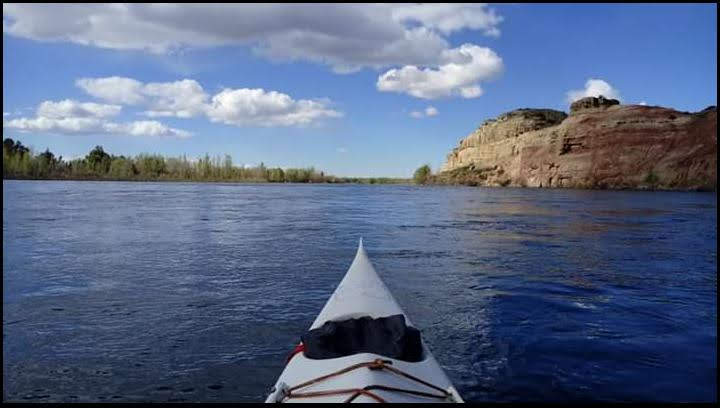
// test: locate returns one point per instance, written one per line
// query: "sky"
(365, 90)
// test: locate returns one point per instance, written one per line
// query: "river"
(123, 291)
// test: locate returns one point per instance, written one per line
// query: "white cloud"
(429, 111)
(342, 150)
(57, 125)
(187, 98)
(150, 128)
(70, 108)
(183, 99)
(6, 114)
(348, 55)
(460, 74)
(74, 125)
(451, 17)
(345, 36)
(113, 89)
(643, 103)
(265, 108)
(593, 87)
(470, 92)
(72, 117)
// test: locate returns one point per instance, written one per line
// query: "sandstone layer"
(600, 144)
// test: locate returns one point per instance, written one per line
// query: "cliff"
(600, 144)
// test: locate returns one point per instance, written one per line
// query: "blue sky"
(262, 82)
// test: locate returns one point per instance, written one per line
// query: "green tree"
(47, 156)
(46, 163)
(122, 168)
(227, 167)
(422, 174)
(15, 148)
(8, 145)
(276, 175)
(204, 167)
(21, 162)
(150, 165)
(98, 160)
(17, 159)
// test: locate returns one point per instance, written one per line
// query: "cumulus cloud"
(187, 98)
(593, 87)
(460, 74)
(183, 99)
(72, 117)
(94, 126)
(345, 36)
(113, 89)
(429, 111)
(643, 103)
(348, 55)
(265, 108)
(146, 128)
(448, 18)
(58, 125)
(70, 108)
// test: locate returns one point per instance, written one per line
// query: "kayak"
(362, 347)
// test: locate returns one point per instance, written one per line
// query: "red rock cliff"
(601, 144)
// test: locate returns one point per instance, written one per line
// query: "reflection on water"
(197, 292)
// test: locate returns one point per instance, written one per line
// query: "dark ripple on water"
(126, 292)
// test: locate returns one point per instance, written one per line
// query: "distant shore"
(336, 180)
(20, 163)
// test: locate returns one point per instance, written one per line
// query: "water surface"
(117, 291)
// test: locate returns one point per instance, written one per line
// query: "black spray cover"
(385, 336)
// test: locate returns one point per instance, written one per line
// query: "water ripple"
(128, 292)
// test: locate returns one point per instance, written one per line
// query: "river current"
(124, 291)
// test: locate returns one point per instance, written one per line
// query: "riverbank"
(473, 176)
(334, 180)
(20, 163)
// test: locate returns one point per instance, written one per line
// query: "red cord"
(298, 349)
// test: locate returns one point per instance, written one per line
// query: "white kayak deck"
(361, 293)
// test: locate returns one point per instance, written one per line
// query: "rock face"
(586, 104)
(601, 144)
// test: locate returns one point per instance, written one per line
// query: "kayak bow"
(363, 376)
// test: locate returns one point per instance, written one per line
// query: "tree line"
(19, 162)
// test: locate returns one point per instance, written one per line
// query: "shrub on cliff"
(422, 174)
